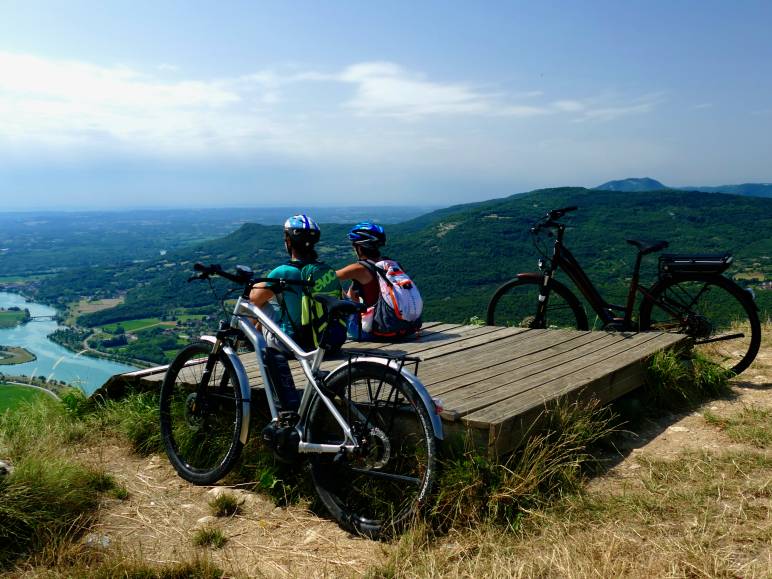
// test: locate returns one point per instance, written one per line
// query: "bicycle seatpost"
(631, 293)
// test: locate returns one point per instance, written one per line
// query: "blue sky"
(138, 103)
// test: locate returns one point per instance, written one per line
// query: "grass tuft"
(473, 489)
(752, 425)
(42, 499)
(675, 381)
(134, 417)
(209, 537)
(224, 505)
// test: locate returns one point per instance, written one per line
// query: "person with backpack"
(394, 304)
(299, 315)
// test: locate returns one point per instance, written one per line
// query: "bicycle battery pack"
(670, 263)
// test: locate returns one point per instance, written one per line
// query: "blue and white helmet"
(367, 234)
(302, 229)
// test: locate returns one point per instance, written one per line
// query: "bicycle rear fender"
(426, 398)
(241, 375)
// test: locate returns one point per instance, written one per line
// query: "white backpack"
(399, 307)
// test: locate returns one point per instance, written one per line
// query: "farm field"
(10, 319)
(136, 325)
(12, 395)
(13, 355)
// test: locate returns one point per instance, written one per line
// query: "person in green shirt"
(301, 233)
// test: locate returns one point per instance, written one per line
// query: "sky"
(121, 104)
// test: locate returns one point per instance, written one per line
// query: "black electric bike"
(690, 296)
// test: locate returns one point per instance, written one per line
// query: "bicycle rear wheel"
(201, 414)
(717, 313)
(514, 304)
(381, 488)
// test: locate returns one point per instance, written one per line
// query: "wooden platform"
(494, 381)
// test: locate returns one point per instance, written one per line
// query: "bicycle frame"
(562, 258)
(244, 314)
(243, 318)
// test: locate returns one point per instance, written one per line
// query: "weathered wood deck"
(494, 382)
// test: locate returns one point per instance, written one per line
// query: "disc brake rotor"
(193, 417)
(378, 449)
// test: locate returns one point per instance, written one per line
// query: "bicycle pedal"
(340, 457)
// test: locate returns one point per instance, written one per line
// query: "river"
(53, 361)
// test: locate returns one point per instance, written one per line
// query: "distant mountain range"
(639, 184)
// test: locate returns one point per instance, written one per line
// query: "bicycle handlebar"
(558, 213)
(549, 219)
(243, 276)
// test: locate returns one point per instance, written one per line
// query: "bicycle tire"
(201, 437)
(730, 311)
(379, 491)
(514, 304)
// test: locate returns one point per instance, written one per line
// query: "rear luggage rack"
(670, 263)
(400, 358)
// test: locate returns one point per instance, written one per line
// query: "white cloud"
(69, 106)
(611, 109)
(568, 106)
(384, 88)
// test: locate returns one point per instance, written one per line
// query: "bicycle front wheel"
(717, 313)
(515, 303)
(201, 414)
(382, 487)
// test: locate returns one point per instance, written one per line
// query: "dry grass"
(670, 508)
(699, 516)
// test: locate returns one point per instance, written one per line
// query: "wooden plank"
(458, 371)
(508, 424)
(533, 371)
(581, 371)
(470, 341)
(455, 340)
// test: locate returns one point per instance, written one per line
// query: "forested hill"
(459, 257)
(460, 254)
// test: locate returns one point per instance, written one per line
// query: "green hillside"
(753, 189)
(459, 255)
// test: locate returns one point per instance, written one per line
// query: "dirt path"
(162, 513)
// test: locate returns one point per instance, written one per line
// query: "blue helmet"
(367, 234)
(302, 229)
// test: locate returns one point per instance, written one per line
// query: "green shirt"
(289, 298)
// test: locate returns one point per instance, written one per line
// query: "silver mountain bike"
(368, 428)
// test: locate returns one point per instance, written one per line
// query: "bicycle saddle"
(338, 308)
(643, 249)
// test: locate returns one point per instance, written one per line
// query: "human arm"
(356, 272)
(260, 295)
